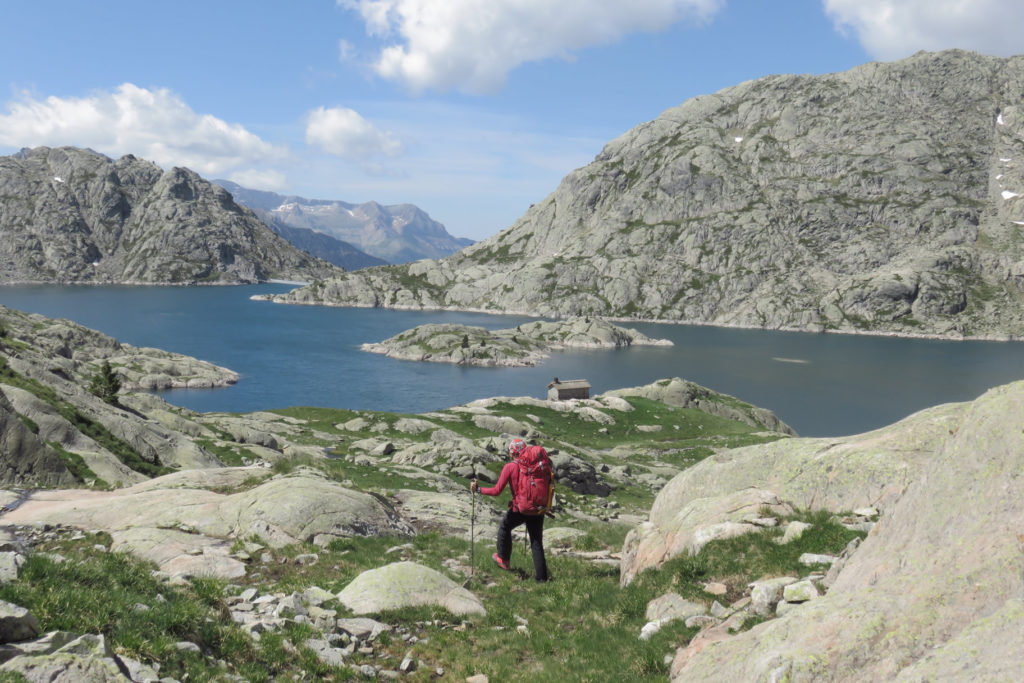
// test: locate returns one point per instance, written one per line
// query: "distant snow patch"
(999, 177)
(799, 361)
(1005, 159)
(1017, 222)
(58, 179)
(999, 119)
(1010, 195)
(738, 139)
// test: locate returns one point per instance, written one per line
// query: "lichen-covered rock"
(837, 474)
(300, 507)
(673, 606)
(682, 521)
(941, 568)
(801, 591)
(178, 553)
(407, 584)
(447, 512)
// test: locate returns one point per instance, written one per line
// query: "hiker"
(529, 475)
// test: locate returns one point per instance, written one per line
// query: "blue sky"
(471, 109)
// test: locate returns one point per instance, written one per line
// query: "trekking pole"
(472, 534)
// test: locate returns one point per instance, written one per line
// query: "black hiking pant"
(535, 528)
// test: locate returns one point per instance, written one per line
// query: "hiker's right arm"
(506, 473)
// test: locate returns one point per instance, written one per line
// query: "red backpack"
(531, 483)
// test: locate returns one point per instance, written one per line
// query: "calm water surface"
(822, 385)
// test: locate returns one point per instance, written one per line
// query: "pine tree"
(105, 384)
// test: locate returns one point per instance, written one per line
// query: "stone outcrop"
(25, 459)
(934, 587)
(725, 493)
(526, 345)
(60, 656)
(884, 199)
(684, 394)
(178, 521)
(407, 584)
(72, 215)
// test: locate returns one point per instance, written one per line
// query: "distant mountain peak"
(397, 234)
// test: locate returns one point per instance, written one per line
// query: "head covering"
(516, 447)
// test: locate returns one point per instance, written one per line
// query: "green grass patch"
(740, 560)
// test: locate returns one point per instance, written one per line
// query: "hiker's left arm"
(506, 473)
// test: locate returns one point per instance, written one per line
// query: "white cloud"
(345, 50)
(891, 29)
(255, 179)
(471, 45)
(344, 133)
(153, 124)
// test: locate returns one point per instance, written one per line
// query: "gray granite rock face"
(887, 199)
(72, 215)
(942, 565)
(24, 457)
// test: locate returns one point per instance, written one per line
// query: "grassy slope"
(582, 626)
(571, 621)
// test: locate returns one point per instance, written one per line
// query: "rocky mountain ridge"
(397, 234)
(71, 215)
(885, 199)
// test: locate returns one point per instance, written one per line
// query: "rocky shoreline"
(526, 345)
(816, 329)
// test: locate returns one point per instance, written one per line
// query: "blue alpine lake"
(820, 384)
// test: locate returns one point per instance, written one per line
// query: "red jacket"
(506, 475)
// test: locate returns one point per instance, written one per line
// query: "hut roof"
(570, 384)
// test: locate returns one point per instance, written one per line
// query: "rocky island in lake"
(523, 346)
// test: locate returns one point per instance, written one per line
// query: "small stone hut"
(572, 388)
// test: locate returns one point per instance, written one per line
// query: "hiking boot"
(500, 562)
